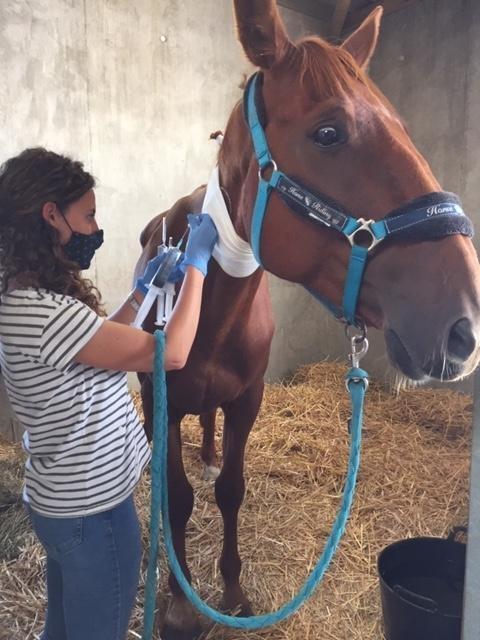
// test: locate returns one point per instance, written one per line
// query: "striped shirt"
(85, 444)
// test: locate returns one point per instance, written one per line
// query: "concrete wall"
(134, 90)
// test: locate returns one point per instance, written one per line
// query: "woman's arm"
(127, 311)
(181, 329)
(123, 348)
(120, 347)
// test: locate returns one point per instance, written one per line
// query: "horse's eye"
(326, 136)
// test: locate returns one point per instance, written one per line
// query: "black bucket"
(421, 585)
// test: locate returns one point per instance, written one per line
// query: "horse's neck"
(237, 297)
(234, 160)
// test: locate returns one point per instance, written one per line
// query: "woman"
(63, 363)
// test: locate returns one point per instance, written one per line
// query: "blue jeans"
(93, 566)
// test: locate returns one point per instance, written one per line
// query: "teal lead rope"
(158, 470)
(357, 380)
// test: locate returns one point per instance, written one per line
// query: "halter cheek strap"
(435, 215)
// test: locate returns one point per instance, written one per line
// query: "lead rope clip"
(358, 344)
(358, 349)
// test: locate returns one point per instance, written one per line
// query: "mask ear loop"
(68, 224)
(63, 216)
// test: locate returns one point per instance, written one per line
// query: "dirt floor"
(413, 481)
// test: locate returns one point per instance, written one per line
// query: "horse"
(327, 124)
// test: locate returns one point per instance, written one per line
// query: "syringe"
(159, 288)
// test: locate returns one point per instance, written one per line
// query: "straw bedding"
(413, 481)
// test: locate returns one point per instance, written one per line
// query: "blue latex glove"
(177, 274)
(151, 269)
(201, 240)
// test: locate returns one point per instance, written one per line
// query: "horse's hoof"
(246, 611)
(242, 609)
(171, 633)
(210, 473)
(181, 621)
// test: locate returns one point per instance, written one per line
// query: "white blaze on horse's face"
(329, 128)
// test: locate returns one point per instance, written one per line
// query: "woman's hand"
(201, 241)
(151, 269)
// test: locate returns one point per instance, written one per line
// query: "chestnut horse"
(330, 127)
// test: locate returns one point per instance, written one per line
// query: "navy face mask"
(82, 246)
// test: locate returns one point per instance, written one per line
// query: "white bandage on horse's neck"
(232, 253)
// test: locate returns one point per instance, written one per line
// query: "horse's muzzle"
(448, 362)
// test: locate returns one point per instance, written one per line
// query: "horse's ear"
(361, 44)
(261, 32)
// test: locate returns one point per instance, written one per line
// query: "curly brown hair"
(30, 250)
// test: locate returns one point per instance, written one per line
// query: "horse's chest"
(232, 345)
(213, 378)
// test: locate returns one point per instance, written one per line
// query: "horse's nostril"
(461, 341)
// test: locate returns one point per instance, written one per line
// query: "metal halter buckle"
(365, 225)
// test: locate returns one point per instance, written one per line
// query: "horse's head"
(330, 129)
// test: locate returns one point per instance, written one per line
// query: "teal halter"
(432, 216)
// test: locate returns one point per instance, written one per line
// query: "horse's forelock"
(325, 70)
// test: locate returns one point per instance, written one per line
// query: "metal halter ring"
(271, 164)
(365, 227)
(352, 331)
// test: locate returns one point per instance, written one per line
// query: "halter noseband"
(435, 215)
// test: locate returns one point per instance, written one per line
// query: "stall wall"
(133, 89)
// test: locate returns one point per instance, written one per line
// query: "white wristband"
(133, 302)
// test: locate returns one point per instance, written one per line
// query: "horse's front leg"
(230, 489)
(208, 454)
(181, 621)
